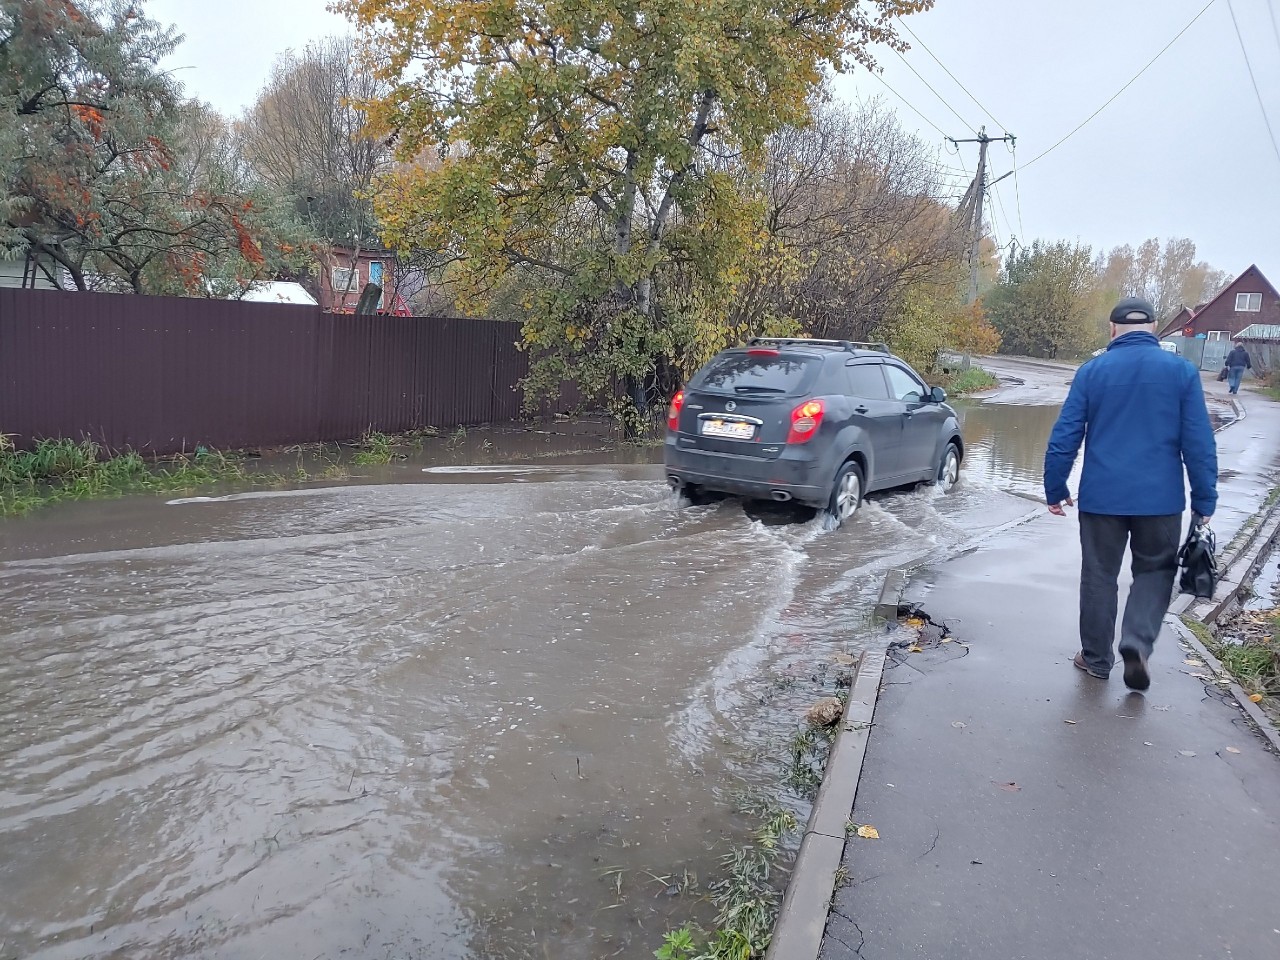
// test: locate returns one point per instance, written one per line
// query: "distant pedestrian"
(1140, 412)
(1238, 362)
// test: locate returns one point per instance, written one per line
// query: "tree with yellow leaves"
(588, 152)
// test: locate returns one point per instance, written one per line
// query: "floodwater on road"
(488, 711)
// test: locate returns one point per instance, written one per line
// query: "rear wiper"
(751, 389)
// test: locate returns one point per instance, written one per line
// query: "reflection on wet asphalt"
(422, 719)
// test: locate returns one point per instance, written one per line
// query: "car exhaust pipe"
(673, 481)
(780, 495)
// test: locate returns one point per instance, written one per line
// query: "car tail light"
(762, 352)
(805, 420)
(673, 411)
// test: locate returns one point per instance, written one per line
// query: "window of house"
(344, 279)
(1218, 335)
(1248, 302)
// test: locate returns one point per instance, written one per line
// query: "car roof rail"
(852, 346)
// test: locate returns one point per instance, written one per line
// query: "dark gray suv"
(820, 422)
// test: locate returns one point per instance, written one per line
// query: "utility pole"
(978, 192)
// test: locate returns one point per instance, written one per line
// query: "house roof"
(1259, 331)
(1253, 268)
(278, 291)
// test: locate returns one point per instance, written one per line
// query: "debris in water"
(824, 712)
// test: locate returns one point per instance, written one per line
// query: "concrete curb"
(802, 920)
(1238, 573)
(1255, 713)
(897, 578)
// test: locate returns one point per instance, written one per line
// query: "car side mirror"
(938, 395)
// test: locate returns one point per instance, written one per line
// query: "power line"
(1252, 79)
(995, 190)
(904, 26)
(908, 103)
(1113, 97)
(1017, 192)
(967, 124)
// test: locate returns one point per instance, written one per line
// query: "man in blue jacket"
(1141, 415)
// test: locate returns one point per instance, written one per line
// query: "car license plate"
(729, 429)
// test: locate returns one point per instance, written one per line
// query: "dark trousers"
(1154, 542)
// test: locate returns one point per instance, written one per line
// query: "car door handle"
(859, 409)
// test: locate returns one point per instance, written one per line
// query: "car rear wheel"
(694, 496)
(949, 468)
(846, 493)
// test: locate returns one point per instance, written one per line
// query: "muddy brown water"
(472, 711)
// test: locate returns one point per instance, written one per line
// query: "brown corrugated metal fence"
(164, 374)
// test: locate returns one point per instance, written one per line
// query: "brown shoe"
(1079, 662)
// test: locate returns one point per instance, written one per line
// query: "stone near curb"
(802, 919)
(844, 765)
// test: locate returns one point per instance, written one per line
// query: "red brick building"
(344, 273)
(1248, 299)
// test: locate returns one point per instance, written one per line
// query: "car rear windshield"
(760, 373)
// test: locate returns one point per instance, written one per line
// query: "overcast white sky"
(1183, 152)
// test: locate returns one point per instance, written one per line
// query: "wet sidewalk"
(1026, 810)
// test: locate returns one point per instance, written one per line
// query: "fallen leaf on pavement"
(1193, 663)
(1233, 749)
(915, 648)
(958, 724)
(915, 622)
(1011, 787)
(844, 660)
(867, 832)
(1187, 753)
(1255, 697)
(946, 640)
(1072, 722)
(976, 863)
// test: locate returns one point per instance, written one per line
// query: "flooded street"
(472, 710)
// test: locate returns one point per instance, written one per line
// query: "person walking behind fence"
(1237, 362)
(1141, 414)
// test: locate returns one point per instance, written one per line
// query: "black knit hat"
(1132, 310)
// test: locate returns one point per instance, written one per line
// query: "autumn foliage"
(587, 159)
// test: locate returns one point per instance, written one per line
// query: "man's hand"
(1056, 508)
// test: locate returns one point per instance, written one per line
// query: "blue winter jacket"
(1141, 414)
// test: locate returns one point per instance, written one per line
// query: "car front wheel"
(846, 493)
(949, 468)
